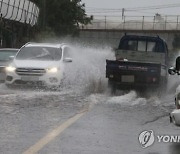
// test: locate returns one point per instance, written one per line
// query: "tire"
(112, 87)
(162, 89)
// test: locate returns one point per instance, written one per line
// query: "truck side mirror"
(172, 71)
(178, 64)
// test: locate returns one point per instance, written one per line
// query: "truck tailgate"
(138, 73)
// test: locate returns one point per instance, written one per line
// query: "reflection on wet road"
(111, 125)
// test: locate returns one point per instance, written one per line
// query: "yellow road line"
(53, 134)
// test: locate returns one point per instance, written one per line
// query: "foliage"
(62, 16)
(48, 34)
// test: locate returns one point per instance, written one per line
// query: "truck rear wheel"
(112, 87)
(163, 86)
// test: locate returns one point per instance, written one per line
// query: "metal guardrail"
(23, 11)
(157, 22)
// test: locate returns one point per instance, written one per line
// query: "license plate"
(29, 78)
(127, 78)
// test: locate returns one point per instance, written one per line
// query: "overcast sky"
(99, 7)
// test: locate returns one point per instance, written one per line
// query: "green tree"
(62, 16)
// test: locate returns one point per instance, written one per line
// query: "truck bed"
(141, 56)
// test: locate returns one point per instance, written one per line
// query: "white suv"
(38, 64)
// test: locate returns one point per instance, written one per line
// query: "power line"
(108, 10)
(155, 7)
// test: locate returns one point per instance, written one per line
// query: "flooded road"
(109, 124)
(82, 117)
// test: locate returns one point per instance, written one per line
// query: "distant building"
(23, 11)
(17, 17)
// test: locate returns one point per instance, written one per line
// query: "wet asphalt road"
(108, 125)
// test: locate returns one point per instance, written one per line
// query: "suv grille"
(30, 71)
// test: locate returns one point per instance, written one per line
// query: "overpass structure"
(157, 22)
(108, 30)
(17, 19)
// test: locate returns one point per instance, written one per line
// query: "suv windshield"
(5, 54)
(39, 53)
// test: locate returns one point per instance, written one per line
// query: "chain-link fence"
(156, 22)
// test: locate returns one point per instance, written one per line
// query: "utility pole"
(1, 30)
(44, 15)
(123, 10)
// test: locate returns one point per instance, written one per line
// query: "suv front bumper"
(48, 79)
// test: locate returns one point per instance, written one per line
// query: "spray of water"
(87, 71)
(86, 74)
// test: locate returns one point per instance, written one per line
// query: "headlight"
(10, 69)
(52, 70)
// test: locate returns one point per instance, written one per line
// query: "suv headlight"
(52, 70)
(10, 69)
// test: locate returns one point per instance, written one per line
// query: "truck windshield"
(39, 53)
